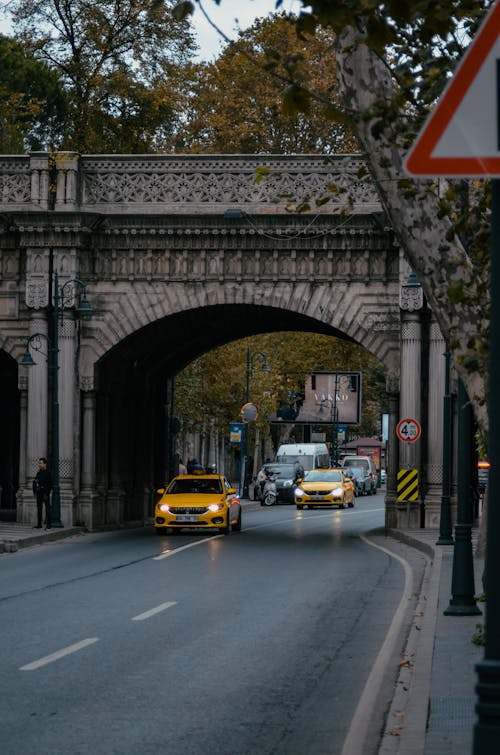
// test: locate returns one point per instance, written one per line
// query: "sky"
(228, 16)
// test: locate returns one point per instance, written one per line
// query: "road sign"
(235, 432)
(461, 137)
(249, 412)
(408, 430)
(407, 485)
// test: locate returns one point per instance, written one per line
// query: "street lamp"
(264, 368)
(61, 296)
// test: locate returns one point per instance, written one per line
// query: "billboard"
(328, 397)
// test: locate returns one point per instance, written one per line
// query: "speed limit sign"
(408, 430)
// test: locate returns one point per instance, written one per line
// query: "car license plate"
(186, 518)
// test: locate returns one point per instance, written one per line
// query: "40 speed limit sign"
(408, 430)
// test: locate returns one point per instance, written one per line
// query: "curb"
(406, 722)
(14, 544)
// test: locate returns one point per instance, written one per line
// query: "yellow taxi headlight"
(164, 507)
(337, 491)
(299, 491)
(215, 506)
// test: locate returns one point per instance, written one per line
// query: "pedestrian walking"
(42, 488)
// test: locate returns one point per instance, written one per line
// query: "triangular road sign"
(461, 137)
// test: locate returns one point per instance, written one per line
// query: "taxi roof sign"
(461, 136)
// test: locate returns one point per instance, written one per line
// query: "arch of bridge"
(158, 236)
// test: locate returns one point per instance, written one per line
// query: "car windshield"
(319, 476)
(195, 485)
(304, 460)
(281, 470)
(356, 472)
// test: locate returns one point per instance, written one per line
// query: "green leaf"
(182, 10)
(296, 100)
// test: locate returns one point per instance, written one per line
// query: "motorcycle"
(269, 492)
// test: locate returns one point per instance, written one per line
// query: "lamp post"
(445, 527)
(60, 297)
(265, 368)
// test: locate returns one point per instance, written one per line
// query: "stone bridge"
(180, 254)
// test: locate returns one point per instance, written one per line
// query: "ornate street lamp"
(264, 368)
(62, 296)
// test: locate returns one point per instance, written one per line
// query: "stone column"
(434, 461)
(23, 434)
(411, 304)
(37, 413)
(67, 384)
(88, 498)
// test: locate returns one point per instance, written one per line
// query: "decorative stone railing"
(184, 184)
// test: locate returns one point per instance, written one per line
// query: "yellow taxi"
(205, 501)
(324, 487)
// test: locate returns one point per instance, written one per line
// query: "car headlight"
(337, 491)
(215, 506)
(164, 507)
(287, 484)
(299, 491)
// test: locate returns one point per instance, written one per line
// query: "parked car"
(284, 475)
(205, 501)
(362, 480)
(325, 487)
(383, 476)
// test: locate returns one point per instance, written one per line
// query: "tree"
(204, 391)
(120, 63)
(237, 107)
(33, 104)
(392, 61)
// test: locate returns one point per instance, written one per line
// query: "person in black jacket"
(42, 488)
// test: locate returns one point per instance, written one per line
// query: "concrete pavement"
(433, 708)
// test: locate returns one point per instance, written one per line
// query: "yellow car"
(198, 501)
(324, 487)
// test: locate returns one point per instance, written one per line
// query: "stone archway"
(127, 399)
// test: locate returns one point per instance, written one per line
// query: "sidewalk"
(14, 536)
(433, 709)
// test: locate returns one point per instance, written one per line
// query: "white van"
(366, 462)
(310, 455)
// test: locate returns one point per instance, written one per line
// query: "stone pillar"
(23, 434)
(411, 304)
(37, 414)
(88, 498)
(67, 419)
(434, 460)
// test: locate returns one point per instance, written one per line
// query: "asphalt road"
(256, 643)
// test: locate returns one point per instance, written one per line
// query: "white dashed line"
(153, 611)
(59, 654)
(167, 554)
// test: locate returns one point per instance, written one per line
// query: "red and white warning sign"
(461, 137)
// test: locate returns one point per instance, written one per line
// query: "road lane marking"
(59, 654)
(356, 735)
(167, 554)
(153, 611)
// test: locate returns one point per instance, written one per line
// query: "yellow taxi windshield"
(195, 485)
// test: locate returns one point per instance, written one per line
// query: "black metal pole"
(487, 730)
(246, 429)
(54, 370)
(463, 602)
(445, 527)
